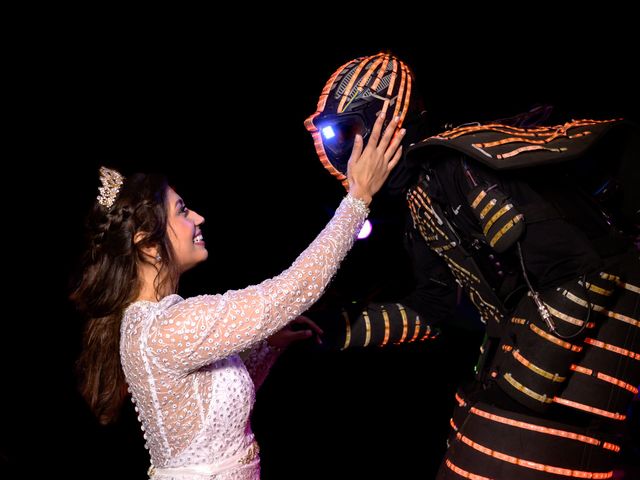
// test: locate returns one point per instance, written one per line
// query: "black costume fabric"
(511, 216)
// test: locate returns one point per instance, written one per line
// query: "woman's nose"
(197, 218)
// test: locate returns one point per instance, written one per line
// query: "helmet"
(349, 102)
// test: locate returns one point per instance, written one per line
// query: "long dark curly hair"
(109, 281)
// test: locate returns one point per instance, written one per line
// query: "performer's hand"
(368, 169)
(301, 328)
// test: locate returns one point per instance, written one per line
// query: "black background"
(225, 124)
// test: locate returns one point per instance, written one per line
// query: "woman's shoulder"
(144, 308)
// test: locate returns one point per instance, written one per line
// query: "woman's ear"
(150, 250)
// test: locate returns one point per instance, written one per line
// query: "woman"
(179, 357)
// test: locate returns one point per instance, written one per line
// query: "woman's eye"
(184, 210)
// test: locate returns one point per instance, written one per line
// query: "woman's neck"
(150, 281)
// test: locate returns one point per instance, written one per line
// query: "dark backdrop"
(225, 124)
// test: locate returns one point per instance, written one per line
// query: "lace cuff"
(358, 205)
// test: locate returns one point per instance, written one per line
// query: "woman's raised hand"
(369, 168)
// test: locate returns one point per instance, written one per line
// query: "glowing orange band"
(460, 400)
(417, 330)
(464, 473)
(612, 348)
(587, 408)
(606, 378)
(453, 425)
(533, 465)
(405, 324)
(367, 326)
(527, 391)
(385, 316)
(540, 429)
(557, 341)
(554, 377)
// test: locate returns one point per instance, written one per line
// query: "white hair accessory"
(111, 182)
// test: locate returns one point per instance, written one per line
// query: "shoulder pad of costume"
(503, 147)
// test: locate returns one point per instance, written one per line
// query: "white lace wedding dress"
(192, 391)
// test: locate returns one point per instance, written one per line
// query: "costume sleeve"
(207, 328)
(415, 317)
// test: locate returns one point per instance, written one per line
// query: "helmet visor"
(339, 131)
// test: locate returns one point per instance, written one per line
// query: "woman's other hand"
(301, 328)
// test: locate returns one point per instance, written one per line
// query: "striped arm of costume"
(374, 325)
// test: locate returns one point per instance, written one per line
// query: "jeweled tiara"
(111, 182)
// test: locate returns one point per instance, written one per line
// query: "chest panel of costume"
(432, 224)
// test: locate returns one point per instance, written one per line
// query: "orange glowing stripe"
(601, 309)
(426, 333)
(507, 348)
(392, 82)
(407, 95)
(505, 229)
(347, 337)
(504, 141)
(587, 408)
(496, 216)
(365, 78)
(460, 400)
(582, 134)
(405, 323)
(453, 425)
(568, 318)
(629, 286)
(385, 316)
(622, 318)
(415, 198)
(398, 104)
(464, 473)
(417, 330)
(557, 341)
(518, 320)
(609, 276)
(528, 148)
(541, 467)
(612, 348)
(490, 204)
(478, 199)
(533, 132)
(383, 69)
(525, 390)
(317, 140)
(352, 81)
(546, 430)
(554, 377)
(611, 446)
(605, 378)
(617, 382)
(367, 325)
(467, 272)
(483, 305)
(599, 290)
(580, 369)
(362, 84)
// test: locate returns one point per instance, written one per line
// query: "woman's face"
(183, 228)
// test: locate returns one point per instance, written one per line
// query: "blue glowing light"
(328, 132)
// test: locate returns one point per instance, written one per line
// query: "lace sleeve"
(206, 328)
(259, 359)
